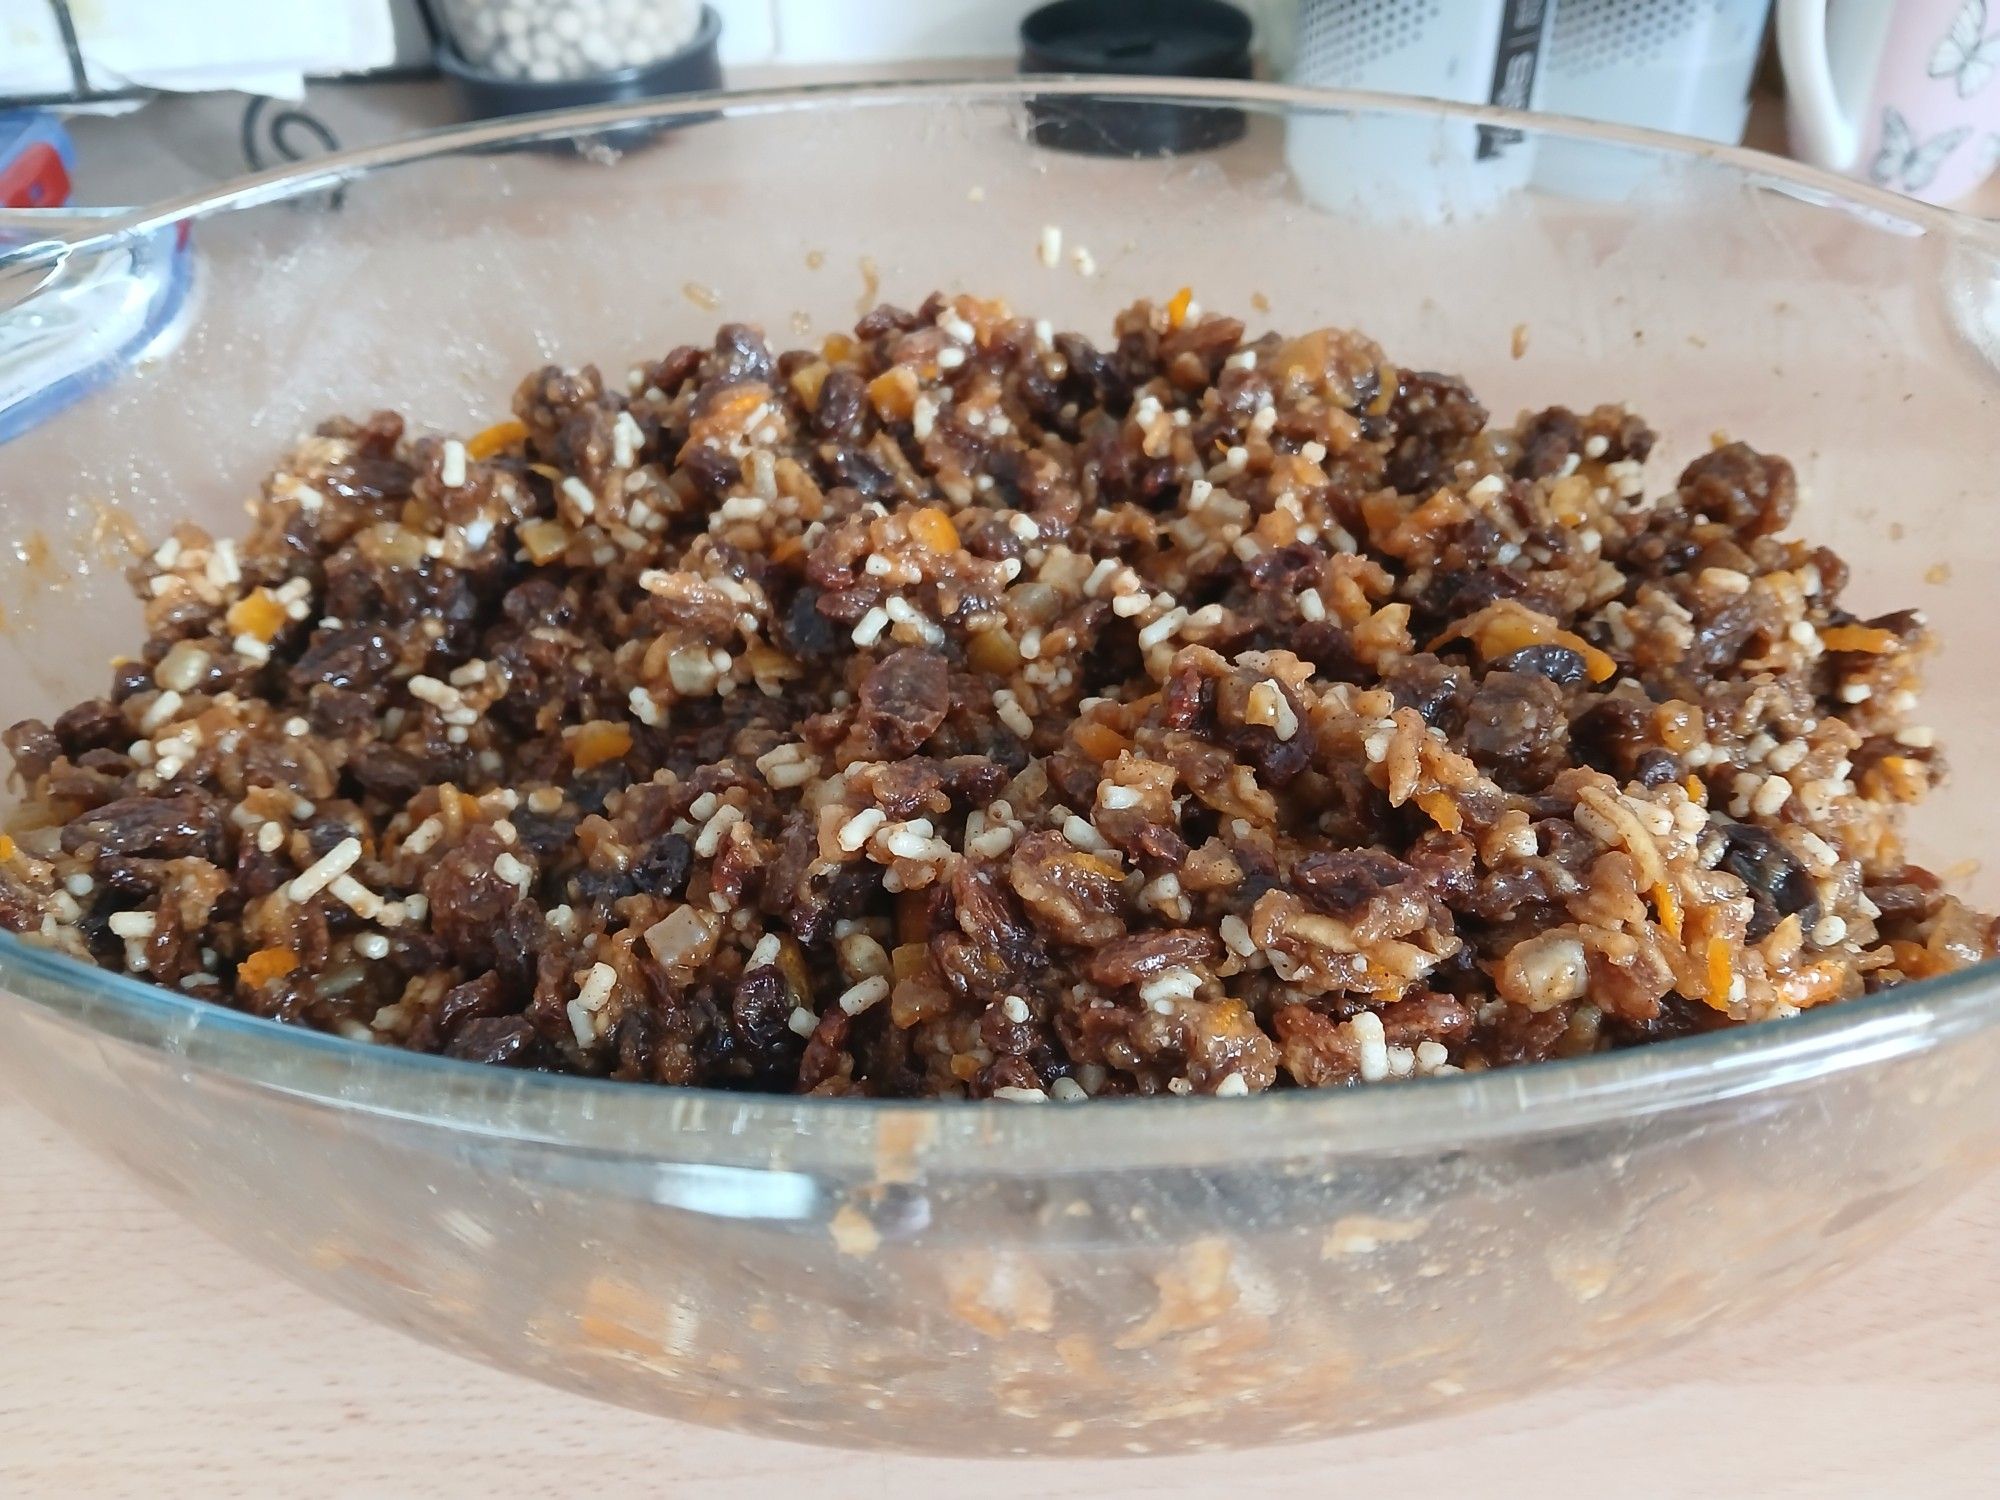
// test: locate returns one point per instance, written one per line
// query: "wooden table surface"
(139, 1356)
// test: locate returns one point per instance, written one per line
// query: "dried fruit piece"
(894, 393)
(1720, 974)
(932, 528)
(258, 614)
(597, 742)
(498, 438)
(1869, 639)
(1100, 741)
(265, 965)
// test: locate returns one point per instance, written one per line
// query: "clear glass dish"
(1123, 1277)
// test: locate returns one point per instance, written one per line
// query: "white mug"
(1471, 52)
(1664, 65)
(1904, 95)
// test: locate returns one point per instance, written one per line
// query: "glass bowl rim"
(63, 232)
(757, 1131)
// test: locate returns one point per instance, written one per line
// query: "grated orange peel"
(933, 530)
(1869, 640)
(1669, 907)
(1441, 810)
(258, 614)
(265, 965)
(1721, 974)
(1100, 741)
(597, 742)
(498, 438)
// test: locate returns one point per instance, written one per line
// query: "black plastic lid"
(1149, 38)
(1135, 38)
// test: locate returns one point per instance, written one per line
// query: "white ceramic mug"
(1470, 52)
(1663, 64)
(1905, 95)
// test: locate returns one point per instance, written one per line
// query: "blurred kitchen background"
(119, 101)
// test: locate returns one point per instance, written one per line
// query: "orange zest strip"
(807, 380)
(1720, 974)
(1442, 810)
(1100, 741)
(993, 651)
(1177, 310)
(1501, 634)
(1914, 959)
(931, 528)
(1669, 906)
(1096, 866)
(597, 742)
(496, 439)
(544, 540)
(894, 393)
(265, 965)
(258, 614)
(1871, 639)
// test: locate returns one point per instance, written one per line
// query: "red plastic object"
(37, 161)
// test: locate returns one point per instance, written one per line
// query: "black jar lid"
(1150, 38)
(691, 70)
(1135, 38)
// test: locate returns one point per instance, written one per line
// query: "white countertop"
(139, 1356)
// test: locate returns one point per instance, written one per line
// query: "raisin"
(803, 630)
(1559, 664)
(164, 827)
(663, 869)
(1778, 883)
(1548, 440)
(34, 747)
(353, 656)
(1753, 493)
(502, 1041)
(1517, 730)
(904, 698)
(843, 413)
(95, 725)
(740, 354)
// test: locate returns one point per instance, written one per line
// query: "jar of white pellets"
(546, 41)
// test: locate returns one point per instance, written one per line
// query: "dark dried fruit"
(1557, 663)
(1548, 440)
(163, 827)
(904, 698)
(1750, 491)
(1516, 728)
(503, 1041)
(1777, 882)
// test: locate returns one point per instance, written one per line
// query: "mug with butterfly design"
(1904, 94)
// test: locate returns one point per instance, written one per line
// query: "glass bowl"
(1134, 1276)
